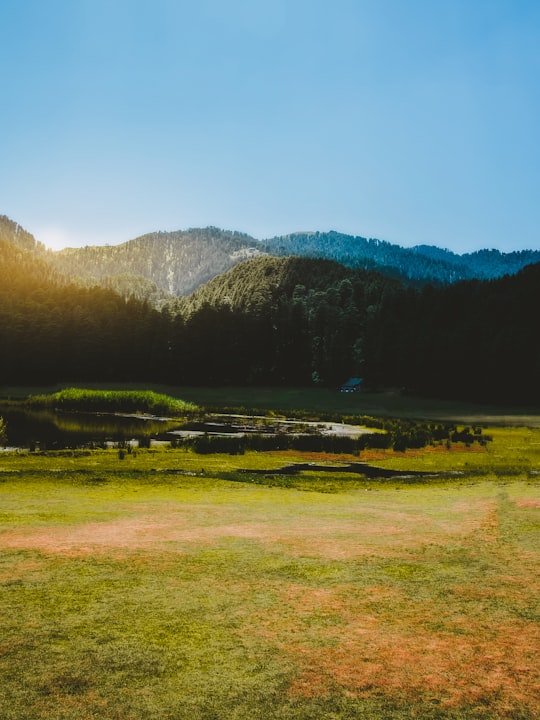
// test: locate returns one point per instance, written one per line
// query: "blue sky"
(412, 121)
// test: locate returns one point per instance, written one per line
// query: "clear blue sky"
(414, 121)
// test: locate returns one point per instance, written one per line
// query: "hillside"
(420, 265)
(273, 321)
(21, 268)
(262, 281)
(12, 232)
(51, 329)
(157, 265)
(176, 262)
(278, 320)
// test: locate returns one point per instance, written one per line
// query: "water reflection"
(57, 430)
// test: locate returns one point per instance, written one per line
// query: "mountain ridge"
(178, 262)
(272, 321)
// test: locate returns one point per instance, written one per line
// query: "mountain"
(51, 329)
(273, 320)
(12, 232)
(482, 264)
(262, 281)
(22, 268)
(157, 265)
(175, 262)
(289, 321)
(420, 265)
(296, 321)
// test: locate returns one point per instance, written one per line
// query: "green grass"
(167, 585)
(127, 401)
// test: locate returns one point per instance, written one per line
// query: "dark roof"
(352, 382)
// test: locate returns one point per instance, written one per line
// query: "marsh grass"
(154, 587)
(126, 401)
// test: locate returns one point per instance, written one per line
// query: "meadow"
(174, 585)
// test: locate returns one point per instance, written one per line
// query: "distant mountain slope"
(420, 264)
(12, 232)
(157, 265)
(176, 262)
(21, 268)
(482, 264)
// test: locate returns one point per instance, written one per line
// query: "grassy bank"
(167, 585)
(100, 400)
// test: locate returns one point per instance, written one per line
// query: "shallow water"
(49, 429)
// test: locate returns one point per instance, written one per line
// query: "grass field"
(169, 585)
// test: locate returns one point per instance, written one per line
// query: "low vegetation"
(126, 401)
(396, 434)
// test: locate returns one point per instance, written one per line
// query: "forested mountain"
(12, 232)
(53, 330)
(129, 286)
(175, 262)
(154, 266)
(21, 268)
(273, 320)
(296, 321)
(261, 282)
(178, 263)
(475, 340)
(278, 320)
(421, 264)
(482, 264)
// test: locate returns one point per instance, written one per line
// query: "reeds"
(122, 401)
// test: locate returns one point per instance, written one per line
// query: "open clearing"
(130, 593)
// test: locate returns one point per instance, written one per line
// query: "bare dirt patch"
(456, 669)
(527, 503)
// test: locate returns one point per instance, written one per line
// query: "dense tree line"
(52, 330)
(278, 321)
(286, 321)
(475, 340)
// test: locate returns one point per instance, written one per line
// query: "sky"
(412, 121)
